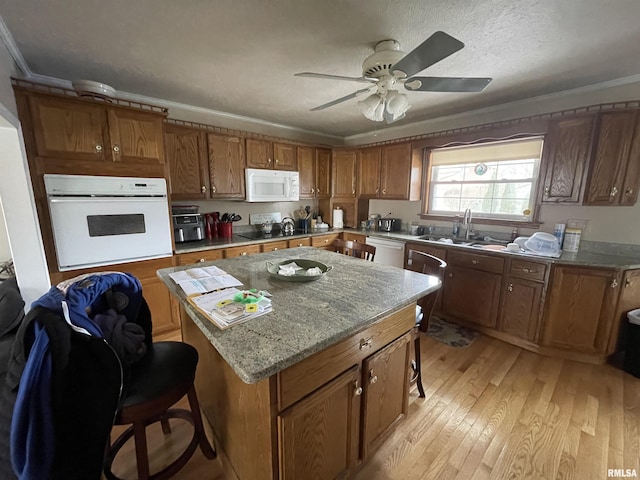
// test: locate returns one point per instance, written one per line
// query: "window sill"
(483, 221)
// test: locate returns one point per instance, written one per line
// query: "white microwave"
(272, 185)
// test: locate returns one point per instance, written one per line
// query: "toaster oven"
(390, 224)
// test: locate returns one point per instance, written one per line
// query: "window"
(495, 180)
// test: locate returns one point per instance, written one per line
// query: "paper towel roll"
(338, 218)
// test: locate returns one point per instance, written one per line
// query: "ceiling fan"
(388, 67)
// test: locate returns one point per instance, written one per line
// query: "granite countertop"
(306, 317)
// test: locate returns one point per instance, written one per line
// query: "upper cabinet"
(344, 173)
(266, 154)
(314, 165)
(393, 172)
(566, 152)
(76, 129)
(613, 177)
(186, 152)
(226, 166)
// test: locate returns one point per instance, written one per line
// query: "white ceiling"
(239, 56)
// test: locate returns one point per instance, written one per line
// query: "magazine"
(204, 279)
(222, 310)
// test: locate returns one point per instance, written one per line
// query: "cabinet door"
(520, 310)
(629, 300)
(323, 173)
(395, 171)
(344, 173)
(259, 153)
(299, 242)
(307, 170)
(609, 165)
(386, 392)
(471, 295)
(369, 172)
(565, 158)
(136, 137)
(68, 129)
(199, 257)
(241, 251)
(226, 166)
(285, 156)
(580, 311)
(631, 182)
(318, 436)
(186, 152)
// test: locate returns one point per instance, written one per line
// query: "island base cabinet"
(386, 392)
(318, 436)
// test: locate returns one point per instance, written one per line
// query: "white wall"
(5, 251)
(16, 194)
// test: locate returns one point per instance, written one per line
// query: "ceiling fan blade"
(333, 77)
(438, 46)
(341, 99)
(446, 84)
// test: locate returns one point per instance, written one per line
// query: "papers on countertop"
(204, 279)
(220, 308)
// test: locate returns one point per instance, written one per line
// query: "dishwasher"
(388, 252)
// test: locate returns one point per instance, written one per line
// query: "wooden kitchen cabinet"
(324, 241)
(629, 300)
(477, 279)
(186, 152)
(318, 436)
(314, 165)
(565, 158)
(285, 157)
(274, 246)
(580, 310)
(241, 251)
(226, 166)
(613, 176)
(299, 242)
(386, 398)
(76, 129)
(344, 167)
(354, 237)
(259, 153)
(199, 257)
(369, 172)
(392, 172)
(523, 299)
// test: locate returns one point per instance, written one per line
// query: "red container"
(225, 229)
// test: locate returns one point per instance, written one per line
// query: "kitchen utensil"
(307, 210)
(236, 218)
(300, 275)
(225, 217)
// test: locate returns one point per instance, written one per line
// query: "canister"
(571, 239)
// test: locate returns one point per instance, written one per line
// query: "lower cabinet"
(324, 241)
(521, 308)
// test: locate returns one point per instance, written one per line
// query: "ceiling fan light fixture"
(397, 103)
(369, 105)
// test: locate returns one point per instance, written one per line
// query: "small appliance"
(272, 185)
(188, 227)
(390, 224)
(288, 226)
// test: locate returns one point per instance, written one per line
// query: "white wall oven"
(107, 220)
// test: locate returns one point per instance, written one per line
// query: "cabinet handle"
(546, 190)
(317, 190)
(628, 191)
(614, 191)
(384, 191)
(451, 275)
(510, 287)
(312, 190)
(274, 249)
(353, 192)
(528, 270)
(628, 283)
(98, 148)
(366, 342)
(116, 148)
(201, 260)
(372, 378)
(243, 254)
(326, 240)
(475, 262)
(614, 284)
(203, 189)
(357, 389)
(377, 190)
(213, 189)
(268, 160)
(299, 245)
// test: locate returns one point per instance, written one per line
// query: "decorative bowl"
(300, 275)
(91, 88)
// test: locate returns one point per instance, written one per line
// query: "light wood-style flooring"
(494, 411)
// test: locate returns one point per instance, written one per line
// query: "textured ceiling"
(239, 56)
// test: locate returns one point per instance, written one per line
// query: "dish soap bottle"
(514, 234)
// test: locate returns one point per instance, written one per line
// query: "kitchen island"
(312, 388)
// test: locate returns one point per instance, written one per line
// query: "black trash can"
(632, 349)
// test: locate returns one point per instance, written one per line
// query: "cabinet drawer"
(241, 251)
(274, 246)
(199, 257)
(300, 242)
(324, 240)
(311, 373)
(483, 263)
(529, 270)
(354, 237)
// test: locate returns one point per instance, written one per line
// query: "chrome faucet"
(466, 222)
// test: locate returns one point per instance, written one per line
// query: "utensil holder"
(225, 229)
(304, 225)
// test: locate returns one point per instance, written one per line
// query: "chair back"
(354, 249)
(429, 265)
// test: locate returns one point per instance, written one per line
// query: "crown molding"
(399, 131)
(13, 49)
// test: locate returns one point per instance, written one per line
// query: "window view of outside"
(500, 189)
